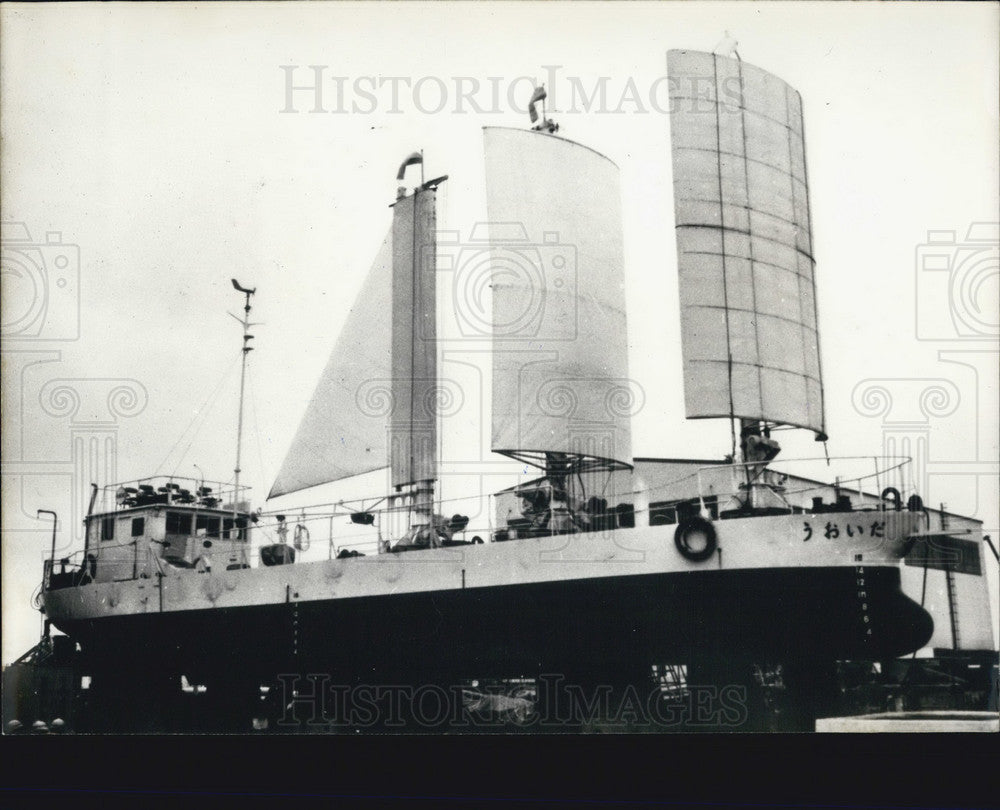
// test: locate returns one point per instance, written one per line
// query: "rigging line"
(436, 418)
(414, 293)
(256, 425)
(722, 233)
(750, 236)
(607, 483)
(809, 486)
(200, 412)
(197, 422)
(209, 405)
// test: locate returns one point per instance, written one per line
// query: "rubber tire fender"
(695, 524)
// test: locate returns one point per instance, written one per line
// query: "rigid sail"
(744, 244)
(560, 354)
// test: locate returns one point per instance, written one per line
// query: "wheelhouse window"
(228, 528)
(663, 513)
(209, 523)
(178, 523)
(138, 527)
(108, 528)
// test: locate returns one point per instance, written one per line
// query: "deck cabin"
(138, 529)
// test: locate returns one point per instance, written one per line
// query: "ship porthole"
(695, 539)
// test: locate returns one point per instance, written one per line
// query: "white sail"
(560, 363)
(343, 431)
(413, 424)
(744, 243)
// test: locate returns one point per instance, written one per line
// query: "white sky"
(150, 136)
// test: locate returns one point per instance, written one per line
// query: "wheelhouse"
(140, 529)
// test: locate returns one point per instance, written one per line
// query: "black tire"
(892, 494)
(690, 526)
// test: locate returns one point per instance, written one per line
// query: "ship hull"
(581, 625)
(591, 608)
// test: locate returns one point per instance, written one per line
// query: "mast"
(247, 348)
(413, 423)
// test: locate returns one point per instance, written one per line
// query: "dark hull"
(587, 625)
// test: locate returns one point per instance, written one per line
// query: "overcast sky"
(162, 140)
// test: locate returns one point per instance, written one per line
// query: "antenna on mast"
(412, 159)
(247, 348)
(547, 124)
(727, 47)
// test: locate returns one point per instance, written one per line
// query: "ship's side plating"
(771, 587)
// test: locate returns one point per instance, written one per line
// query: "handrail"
(347, 507)
(200, 493)
(704, 488)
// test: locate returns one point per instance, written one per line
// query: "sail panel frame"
(744, 244)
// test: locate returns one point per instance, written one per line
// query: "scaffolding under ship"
(605, 564)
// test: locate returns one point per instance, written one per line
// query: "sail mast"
(247, 348)
(413, 424)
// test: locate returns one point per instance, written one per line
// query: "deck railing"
(715, 487)
(171, 490)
